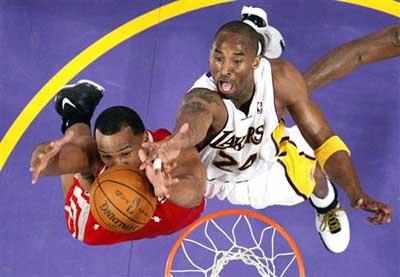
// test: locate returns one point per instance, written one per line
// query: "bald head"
(238, 27)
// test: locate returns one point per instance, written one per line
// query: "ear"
(256, 62)
(145, 136)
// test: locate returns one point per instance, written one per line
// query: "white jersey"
(235, 152)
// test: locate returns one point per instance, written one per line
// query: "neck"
(243, 103)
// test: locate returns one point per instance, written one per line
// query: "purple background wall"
(150, 72)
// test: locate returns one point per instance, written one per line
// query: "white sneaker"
(334, 229)
(257, 18)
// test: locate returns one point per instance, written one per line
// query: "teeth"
(226, 86)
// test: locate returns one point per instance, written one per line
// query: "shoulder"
(283, 69)
(204, 99)
(289, 84)
(203, 94)
(205, 81)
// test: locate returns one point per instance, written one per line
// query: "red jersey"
(167, 219)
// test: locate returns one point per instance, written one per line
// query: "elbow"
(196, 199)
(191, 204)
(395, 31)
(193, 199)
(189, 195)
(189, 192)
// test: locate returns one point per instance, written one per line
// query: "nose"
(226, 68)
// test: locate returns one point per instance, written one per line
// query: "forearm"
(188, 192)
(344, 59)
(335, 65)
(70, 159)
(330, 151)
(192, 176)
(340, 170)
(199, 120)
(74, 159)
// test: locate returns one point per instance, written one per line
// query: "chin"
(227, 95)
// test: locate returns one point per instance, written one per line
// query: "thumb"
(184, 128)
(359, 203)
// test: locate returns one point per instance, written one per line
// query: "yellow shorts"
(299, 167)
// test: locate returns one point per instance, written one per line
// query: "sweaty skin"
(341, 61)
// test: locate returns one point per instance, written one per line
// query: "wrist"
(355, 194)
(180, 141)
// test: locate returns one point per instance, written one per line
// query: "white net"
(216, 247)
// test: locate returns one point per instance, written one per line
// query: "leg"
(76, 104)
(321, 187)
(331, 220)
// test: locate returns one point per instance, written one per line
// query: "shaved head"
(238, 27)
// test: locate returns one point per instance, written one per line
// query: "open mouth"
(226, 87)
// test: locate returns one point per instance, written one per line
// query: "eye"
(105, 157)
(218, 58)
(126, 154)
(238, 61)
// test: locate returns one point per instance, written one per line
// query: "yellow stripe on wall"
(391, 7)
(86, 57)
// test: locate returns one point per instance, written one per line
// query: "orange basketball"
(122, 200)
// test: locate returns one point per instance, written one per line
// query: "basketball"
(122, 200)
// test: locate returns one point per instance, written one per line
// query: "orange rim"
(279, 228)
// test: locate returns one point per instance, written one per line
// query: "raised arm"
(200, 114)
(63, 156)
(331, 152)
(185, 185)
(191, 175)
(341, 61)
(204, 111)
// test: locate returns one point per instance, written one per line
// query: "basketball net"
(215, 241)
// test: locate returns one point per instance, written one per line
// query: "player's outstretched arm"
(331, 153)
(185, 184)
(191, 175)
(200, 110)
(344, 59)
(58, 157)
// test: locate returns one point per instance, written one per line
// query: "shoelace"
(330, 219)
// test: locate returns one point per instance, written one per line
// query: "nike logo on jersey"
(229, 140)
(66, 101)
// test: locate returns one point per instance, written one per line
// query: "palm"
(160, 180)
(166, 150)
(169, 150)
